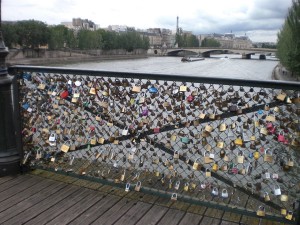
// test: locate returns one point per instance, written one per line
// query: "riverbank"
(280, 73)
(75, 59)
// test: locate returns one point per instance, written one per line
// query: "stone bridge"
(206, 51)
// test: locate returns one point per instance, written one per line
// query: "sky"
(260, 20)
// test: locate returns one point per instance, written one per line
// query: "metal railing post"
(10, 142)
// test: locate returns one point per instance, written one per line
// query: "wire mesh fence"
(211, 140)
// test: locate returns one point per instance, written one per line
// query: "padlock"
(138, 186)
(238, 141)
(136, 89)
(256, 155)
(261, 211)
(263, 131)
(123, 176)
(290, 162)
(185, 140)
(174, 197)
(207, 173)
(240, 157)
(215, 191)
(125, 131)
(65, 147)
(186, 187)
(197, 165)
(277, 190)
(280, 137)
(177, 185)
(215, 167)
(127, 187)
(222, 154)
(289, 215)
(176, 154)
(222, 127)
(224, 193)
(208, 128)
(207, 158)
(267, 197)
(283, 212)
(220, 144)
(284, 197)
(268, 156)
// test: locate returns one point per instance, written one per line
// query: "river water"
(228, 66)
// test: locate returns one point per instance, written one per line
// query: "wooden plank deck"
(47, 198)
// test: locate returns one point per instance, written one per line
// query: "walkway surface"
(42, 197)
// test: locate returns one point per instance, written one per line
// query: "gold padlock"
(222, 127)
(261, 211)
(207, 173)
(196, 165)
(215, 167)
(267, 197)
(186, 187)
(289, 215)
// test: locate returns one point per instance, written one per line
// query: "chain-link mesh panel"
(207, 141)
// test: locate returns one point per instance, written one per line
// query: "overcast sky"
(259, 19)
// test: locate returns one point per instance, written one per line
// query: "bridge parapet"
(176, 136)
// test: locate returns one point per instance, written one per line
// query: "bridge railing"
(230, 144)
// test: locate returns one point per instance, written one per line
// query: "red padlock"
(64, 94)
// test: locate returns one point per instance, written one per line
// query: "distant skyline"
(260, 20)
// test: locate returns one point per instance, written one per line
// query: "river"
(228, 66)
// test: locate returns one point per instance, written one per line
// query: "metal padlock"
(207, 173)
(138, 186)
(261, 211)
(239, 141)
(197, 165)
(174, 197)
(215, 167)
(215, 191)
(266, 197)
(268, 156)
(277, 190)
(207, 159)
(186, 187)
(284, 197)
(176, 154)
(127, 187)
(222, 127)
(289, 215)
(177, 184)
(224, 193)
(240, 157)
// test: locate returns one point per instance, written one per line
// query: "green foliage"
(9, 34)
(186, 40)
(209, 42)
(288, 44)
(32, 34)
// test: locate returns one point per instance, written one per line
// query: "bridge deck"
(47, 198)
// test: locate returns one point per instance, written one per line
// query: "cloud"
(198, 16)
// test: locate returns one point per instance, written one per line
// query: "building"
(78, 24)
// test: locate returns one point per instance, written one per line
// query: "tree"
(32, 34)
(209, 42)
(10, 35)
(288, 43)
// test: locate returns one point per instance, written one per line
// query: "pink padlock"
(269, 126)
(190, 98)
(281, 137)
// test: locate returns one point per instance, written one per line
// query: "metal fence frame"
(17, 70)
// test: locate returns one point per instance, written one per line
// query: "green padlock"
(185, 140)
